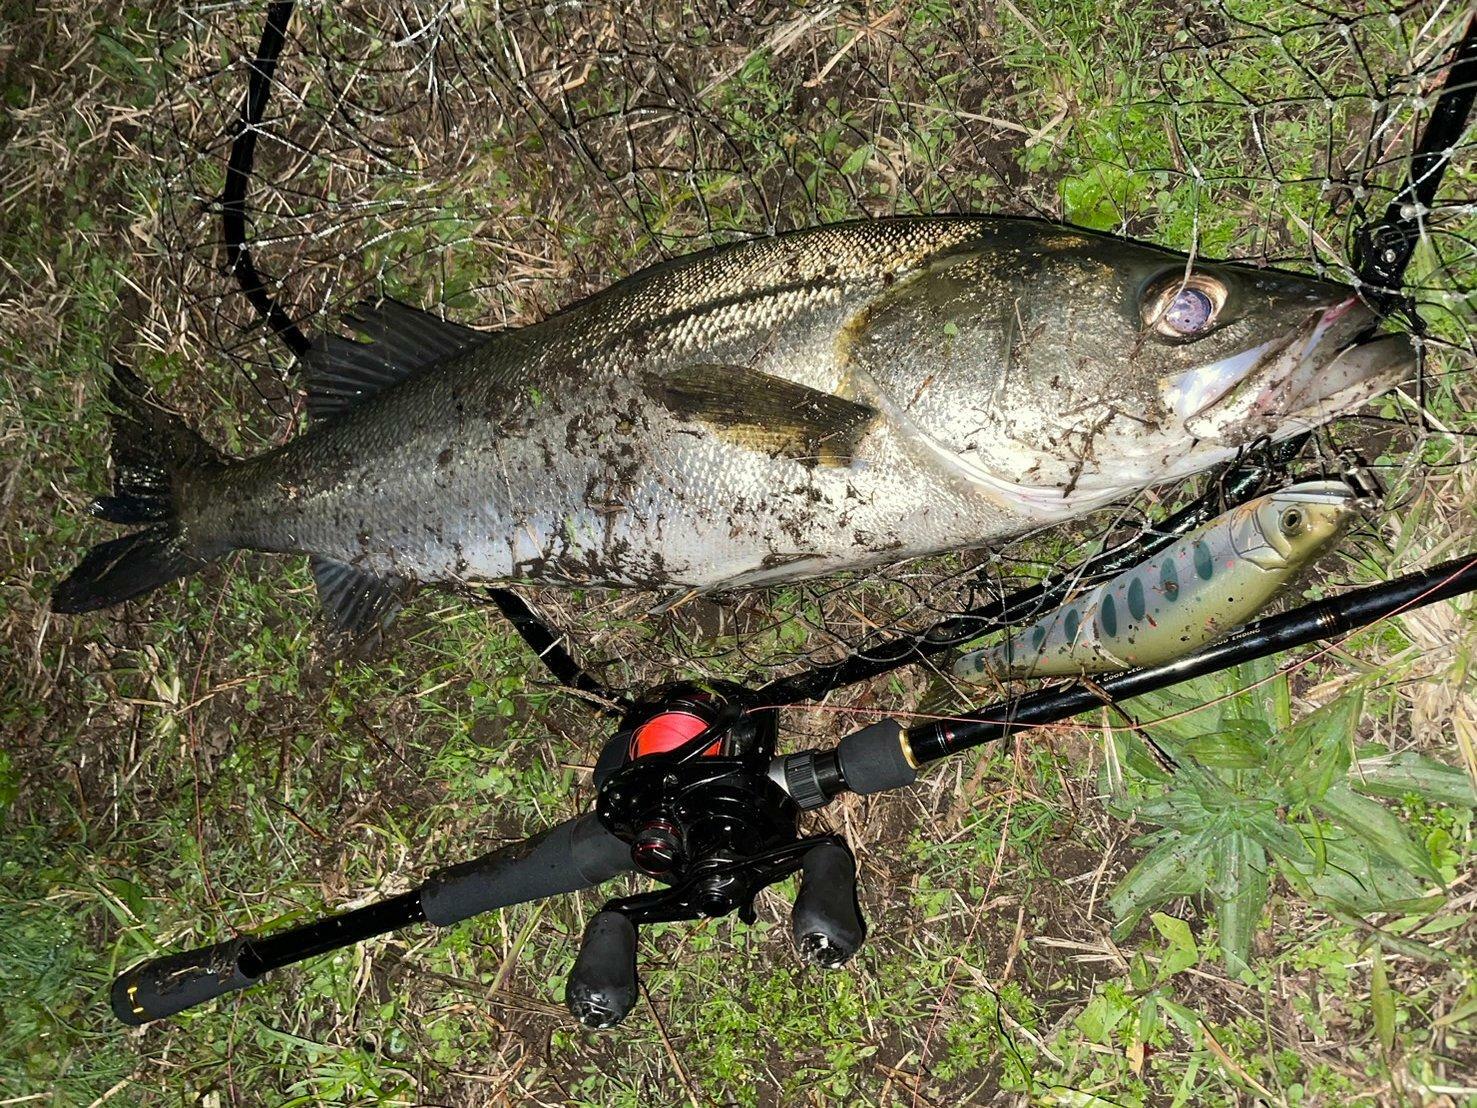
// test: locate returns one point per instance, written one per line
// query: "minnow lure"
(1194, 592)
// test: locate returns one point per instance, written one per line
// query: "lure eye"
(1292, 520)
(1183, 307)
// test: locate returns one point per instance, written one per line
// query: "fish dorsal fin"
(357, 605)
(402, 339)
(765, 413)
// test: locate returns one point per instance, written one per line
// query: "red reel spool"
(669, 730)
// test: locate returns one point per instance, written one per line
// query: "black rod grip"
(171, 984)
(602, 986)
(576, 854)
(827, 922)
(875, 759)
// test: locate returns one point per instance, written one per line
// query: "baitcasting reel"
(687, 782)
(690, 792)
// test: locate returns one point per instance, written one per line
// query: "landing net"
(497, 161)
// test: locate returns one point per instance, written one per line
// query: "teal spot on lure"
(1240, 561)
(1135, 596)
(1204, 561)
(1169, 576)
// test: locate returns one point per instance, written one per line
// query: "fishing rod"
(692, 794)
(543, 639)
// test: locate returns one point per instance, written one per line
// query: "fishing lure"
(1203, 587)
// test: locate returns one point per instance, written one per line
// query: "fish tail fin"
(152, 449)
(122, 569)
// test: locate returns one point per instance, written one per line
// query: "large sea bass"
(828, 399)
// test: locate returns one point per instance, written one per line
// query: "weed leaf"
(1373, 823)
(1240, 892)
(1179, 867)
(1181, 953)
(1409, 773)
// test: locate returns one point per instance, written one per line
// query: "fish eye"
(1188, 312)
(1183, 307)
(1292, 519)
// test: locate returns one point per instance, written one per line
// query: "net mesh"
(497, 161)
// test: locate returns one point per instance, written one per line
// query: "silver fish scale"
(713, 305)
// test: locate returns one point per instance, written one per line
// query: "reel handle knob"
(827, 922)
(602, 986)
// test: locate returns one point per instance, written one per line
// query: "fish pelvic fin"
(152, 449)
(358, 606)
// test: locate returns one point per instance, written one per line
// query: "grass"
(193, 765)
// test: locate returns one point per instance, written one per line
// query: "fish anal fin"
(765, 413)
(402, 340)
(358, 606)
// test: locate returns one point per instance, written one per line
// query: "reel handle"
(602, 987)
(827, 922)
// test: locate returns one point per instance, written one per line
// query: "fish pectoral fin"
(358, 606)
(764, 412)
(342, 372)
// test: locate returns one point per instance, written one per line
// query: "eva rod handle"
(875, 759)
(871, 760)
(827, 922)
(602, 986)
(171, 984)
(576, 854)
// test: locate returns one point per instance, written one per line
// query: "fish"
(1193, 593)
(833, 398)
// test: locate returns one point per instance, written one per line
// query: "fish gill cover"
(495, 162)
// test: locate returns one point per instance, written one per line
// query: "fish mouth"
(1330, 365)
